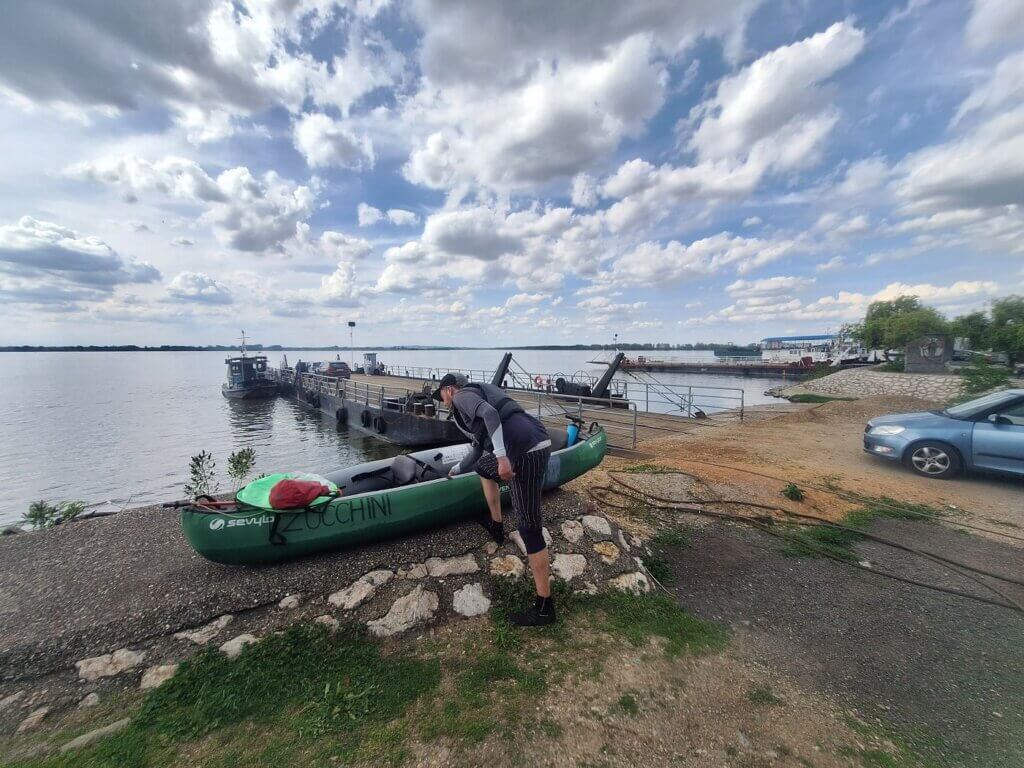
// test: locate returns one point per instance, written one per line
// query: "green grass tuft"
(628, 704)
(810, 398)
(806, 540)
(639, 617)
(763, 694)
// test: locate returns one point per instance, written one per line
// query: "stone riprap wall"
(867, 382)
(589, 554)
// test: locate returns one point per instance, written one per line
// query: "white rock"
(568, 567)
(413, 571)
(516, 539)
(93, 736)
(597, 527)
(34, 720)
(507, 565)
(639, 563)
(490, 547)
(360, 590)
(609, 552)
(89, 701)
(631, 582)
(452, 566)
(588, 588)
(205, 634)
(234, 646)
(406, 612)
(10, 701)
(290, 601)
(156, 676)
(328, 621)
(572, 530)
(622, 541)
(471, 601)
(109, 664)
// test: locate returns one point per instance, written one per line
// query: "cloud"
(584, 192)
(995, 22)
(770, 286)
(554, 125)
(475, 232)
(863, 176)
(247, 213)
(45, 263)
(324, 143)
(368, 215)
(653, 264)
(769, 98)
(1004, 88)
(402, 218)
(197, 287)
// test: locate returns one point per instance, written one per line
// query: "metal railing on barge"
(649, 394)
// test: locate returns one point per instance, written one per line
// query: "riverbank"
(856, 383)
(763, 658)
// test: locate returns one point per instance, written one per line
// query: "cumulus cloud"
(43, 262)
(324, 142)
(769, 286)
(995, 22)
(555, 125)
(247, 212)
(475, 232)
(402, 218)
(198, 287)
(654, 264)
(368, 215)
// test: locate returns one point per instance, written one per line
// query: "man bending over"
(513, 446)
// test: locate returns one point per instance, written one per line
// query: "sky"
(502, 172)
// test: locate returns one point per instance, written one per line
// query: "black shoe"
(495, 529)
(540, 614)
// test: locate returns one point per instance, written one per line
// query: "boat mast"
(243, 343)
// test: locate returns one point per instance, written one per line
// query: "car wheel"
(937, 461)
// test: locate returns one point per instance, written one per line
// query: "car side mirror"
(998, 418)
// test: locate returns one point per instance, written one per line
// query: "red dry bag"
(296, 494)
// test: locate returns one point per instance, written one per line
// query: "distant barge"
(742, 366)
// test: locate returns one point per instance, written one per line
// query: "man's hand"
(505, 469)
(453, 472)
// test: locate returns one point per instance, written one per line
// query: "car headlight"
(887, 429)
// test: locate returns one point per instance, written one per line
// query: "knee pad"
(533, 539)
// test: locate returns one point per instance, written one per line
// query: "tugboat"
(247, 377)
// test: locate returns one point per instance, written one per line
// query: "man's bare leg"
(493, 495)
(540, 565)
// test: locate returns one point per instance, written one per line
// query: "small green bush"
(981, 376)
(42, 514)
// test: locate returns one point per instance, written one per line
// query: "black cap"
(449, 380)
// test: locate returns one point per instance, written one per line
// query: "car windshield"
(973, 407)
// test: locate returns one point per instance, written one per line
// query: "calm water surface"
(121, 427)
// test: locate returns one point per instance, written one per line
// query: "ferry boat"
(247, 377)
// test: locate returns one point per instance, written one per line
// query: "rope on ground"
(765, 522)
(845, 496)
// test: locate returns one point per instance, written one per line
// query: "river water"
(118, 428)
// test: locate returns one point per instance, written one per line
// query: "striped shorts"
(525, 488)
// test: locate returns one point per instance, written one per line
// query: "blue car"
(983, 434)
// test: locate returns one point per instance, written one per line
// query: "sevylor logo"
(219, 523)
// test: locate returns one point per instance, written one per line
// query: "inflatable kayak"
(378, 500)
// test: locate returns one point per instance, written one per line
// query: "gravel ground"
(93, 586)
(945, 672)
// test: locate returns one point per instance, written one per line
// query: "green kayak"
(379, 500)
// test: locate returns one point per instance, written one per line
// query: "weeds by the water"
(42, 514)
(810, 398)
(202, 478)
(240, 464)
(810, 541)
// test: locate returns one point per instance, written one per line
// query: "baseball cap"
(449, 380)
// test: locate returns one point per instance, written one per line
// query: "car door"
(1000, 446)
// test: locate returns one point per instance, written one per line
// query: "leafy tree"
(976, 326)
(1008, 327)
(891, 324)
(240, 464)
(42, 514)
(202, 476)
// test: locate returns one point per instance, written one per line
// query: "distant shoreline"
(699, 347)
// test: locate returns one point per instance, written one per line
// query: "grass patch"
(637, 618)
(810, 398)
(806, 541)
(897, 754)
(647, 469)
(334, 691)
(792, 492)
(763, 694)
(627, 703)
(657, 561)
